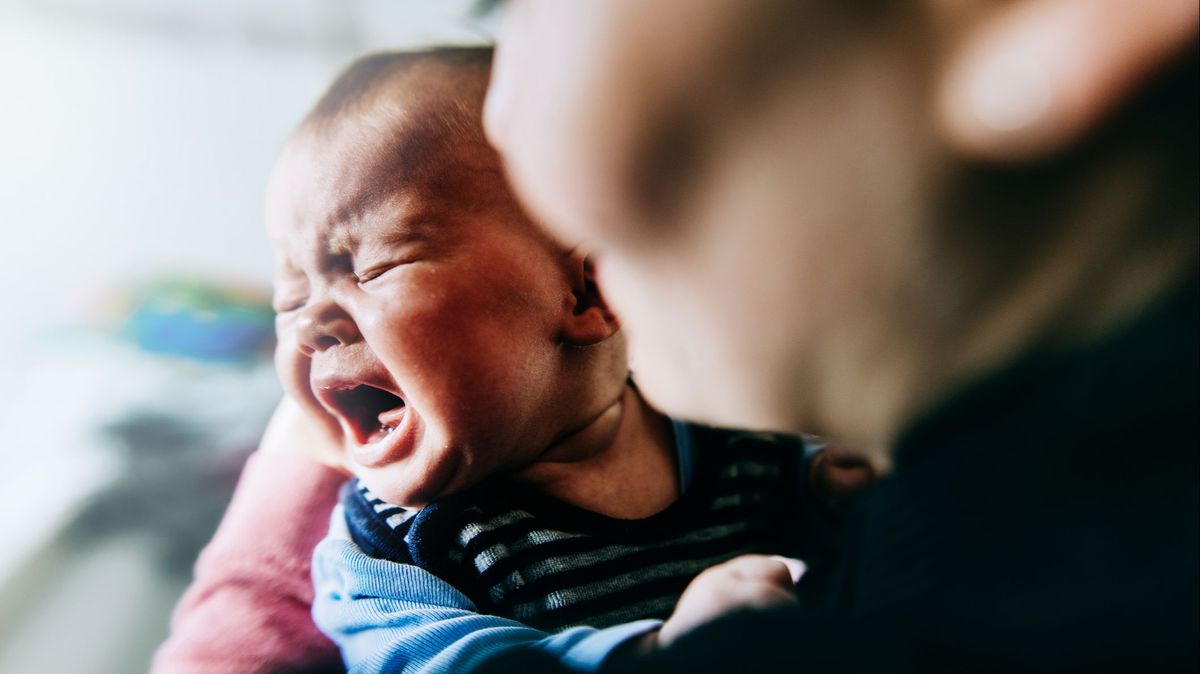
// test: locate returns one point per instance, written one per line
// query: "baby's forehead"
(402, 132)
(370, 172)
(424, 167)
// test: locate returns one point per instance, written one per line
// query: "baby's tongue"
(391, 418)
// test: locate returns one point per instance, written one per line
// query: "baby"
(477, 384)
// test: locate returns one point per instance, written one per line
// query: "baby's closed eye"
(371, 273)
(287, 303)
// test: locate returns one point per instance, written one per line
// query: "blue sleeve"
(392, 617)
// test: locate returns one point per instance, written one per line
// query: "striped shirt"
(519, 554)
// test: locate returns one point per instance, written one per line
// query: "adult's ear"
(1032, 76)
(589, 320)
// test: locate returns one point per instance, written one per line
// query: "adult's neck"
(621, 464)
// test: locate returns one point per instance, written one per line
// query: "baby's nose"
(324, 325)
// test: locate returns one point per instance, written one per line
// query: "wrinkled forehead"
(378, 166)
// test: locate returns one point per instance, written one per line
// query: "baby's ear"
(590, 321)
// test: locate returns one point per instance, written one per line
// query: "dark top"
(1044, 520)
(521, 555)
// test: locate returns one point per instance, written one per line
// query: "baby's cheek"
(292, 368)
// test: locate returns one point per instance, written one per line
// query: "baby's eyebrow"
(395, 234)
(387, 226)
(342, 240)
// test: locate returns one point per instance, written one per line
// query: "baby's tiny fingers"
(795, 567)
(770, 569)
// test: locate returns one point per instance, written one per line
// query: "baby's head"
(422, 317)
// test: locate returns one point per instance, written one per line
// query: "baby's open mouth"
(369, 413)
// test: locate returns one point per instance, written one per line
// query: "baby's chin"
(412, 483)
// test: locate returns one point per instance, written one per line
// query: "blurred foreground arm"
(248, 608)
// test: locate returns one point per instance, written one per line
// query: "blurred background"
(135, 141)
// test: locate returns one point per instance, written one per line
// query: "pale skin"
(1090, 53)
(719, 173)
(796, 237)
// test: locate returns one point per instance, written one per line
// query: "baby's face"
(417, 309)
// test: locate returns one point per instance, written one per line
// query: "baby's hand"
(292, 431)
(746, 582)
(838, 475)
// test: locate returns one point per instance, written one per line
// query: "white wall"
(136, 135)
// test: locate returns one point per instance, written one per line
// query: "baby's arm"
(392, 617)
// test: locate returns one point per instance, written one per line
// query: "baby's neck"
(622, 464)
